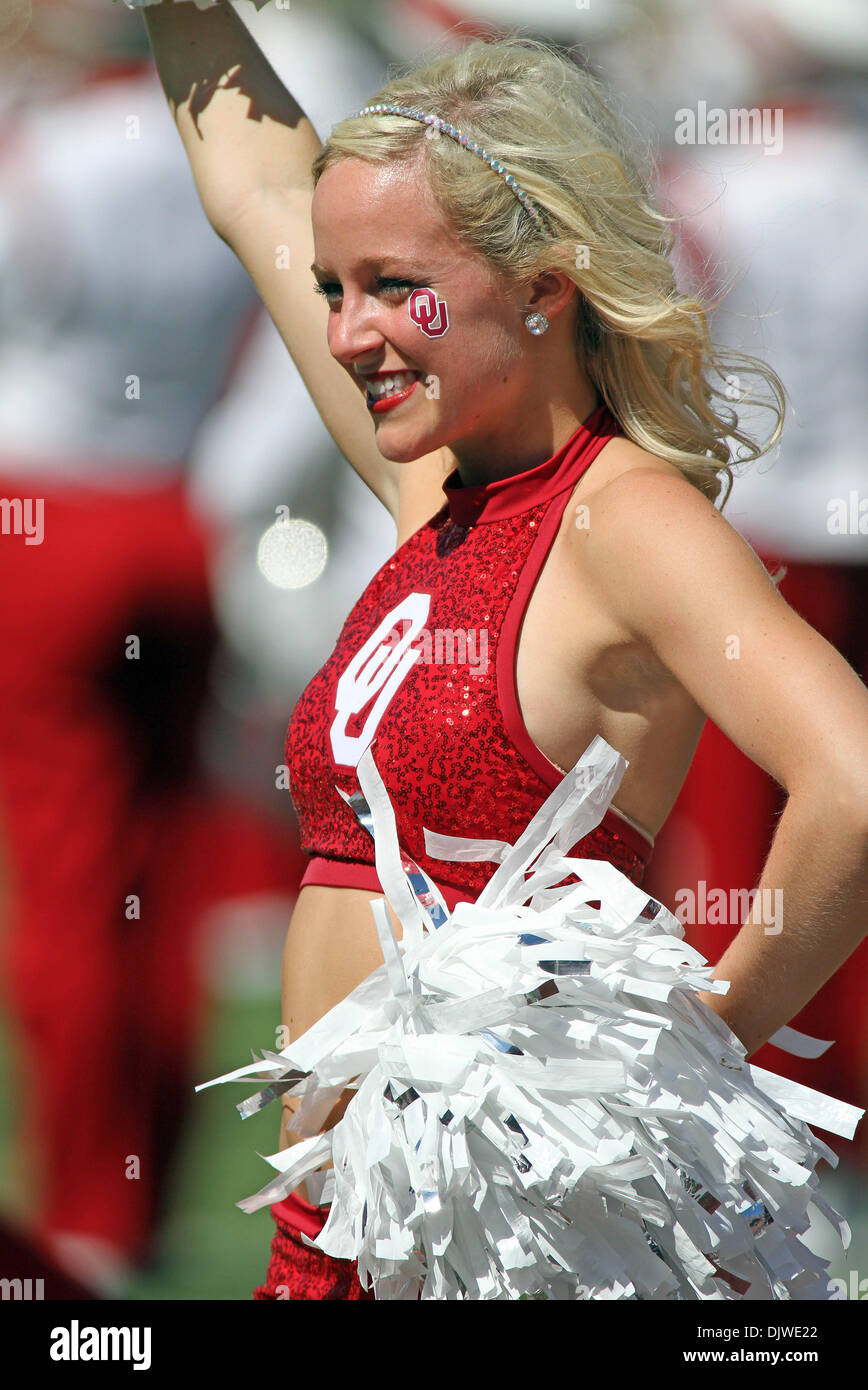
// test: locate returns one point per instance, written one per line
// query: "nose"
(354, 331)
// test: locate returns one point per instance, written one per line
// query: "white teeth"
(390, 385)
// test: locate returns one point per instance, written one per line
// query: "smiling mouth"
(384, 388)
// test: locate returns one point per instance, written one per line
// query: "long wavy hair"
(645, 346)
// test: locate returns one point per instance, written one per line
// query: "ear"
(551, 291)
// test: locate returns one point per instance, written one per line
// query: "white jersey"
(120, 310)
(790, 228)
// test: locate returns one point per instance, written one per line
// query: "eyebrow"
(367, 262)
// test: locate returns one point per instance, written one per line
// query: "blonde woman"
(474, 285)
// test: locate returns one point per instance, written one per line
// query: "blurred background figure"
(141, 825)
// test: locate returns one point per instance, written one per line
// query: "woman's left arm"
(685, 583)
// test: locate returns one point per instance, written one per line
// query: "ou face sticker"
(428, 312)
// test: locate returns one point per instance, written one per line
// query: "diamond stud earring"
(536, 324)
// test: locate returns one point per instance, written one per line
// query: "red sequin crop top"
(424, 673)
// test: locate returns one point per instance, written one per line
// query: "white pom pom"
(543, 1106)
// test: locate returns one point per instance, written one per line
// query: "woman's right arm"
(250, 148)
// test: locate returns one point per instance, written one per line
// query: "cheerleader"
(475, 286)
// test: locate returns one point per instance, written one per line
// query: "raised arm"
(250, 147)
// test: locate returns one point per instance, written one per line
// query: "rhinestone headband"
(389, 108)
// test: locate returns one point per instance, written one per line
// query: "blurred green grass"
(207, 1247)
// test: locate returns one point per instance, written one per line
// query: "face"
(378, 237)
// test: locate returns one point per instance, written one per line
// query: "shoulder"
(635, 497)
(648, 541)
(626, 476)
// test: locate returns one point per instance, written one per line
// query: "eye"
(396, 284)
(384, 283)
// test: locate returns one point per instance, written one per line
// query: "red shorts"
(295, 1270)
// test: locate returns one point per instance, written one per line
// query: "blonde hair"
(645, 346)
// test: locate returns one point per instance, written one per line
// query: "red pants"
(721, 828)
(297, 1271)
(102, 807)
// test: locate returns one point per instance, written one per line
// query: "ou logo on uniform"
(378, 668)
